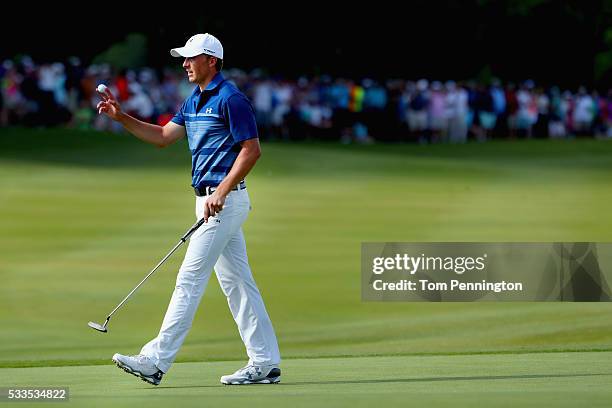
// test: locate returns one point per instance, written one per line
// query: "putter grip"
(192, 230)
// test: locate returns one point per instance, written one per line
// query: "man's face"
(198, 68)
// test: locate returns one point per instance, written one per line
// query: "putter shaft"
(183, 239)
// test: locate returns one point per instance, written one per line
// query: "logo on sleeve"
(208, 110)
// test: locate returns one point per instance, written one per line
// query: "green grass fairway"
(525, 380)
(84, 216)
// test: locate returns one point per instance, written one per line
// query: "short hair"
(219, 64)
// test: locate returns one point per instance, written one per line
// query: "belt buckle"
(208, 190)
(202, 191)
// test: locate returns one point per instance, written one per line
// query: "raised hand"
(108, 105)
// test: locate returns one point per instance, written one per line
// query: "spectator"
(14, 103)
(567, 108)
(511, 110)
(340, 95)
(583, 114)
(83, 117)
(556, 125)
(527, 114)
(607, 114)
(262, 103)
(374, 105)
(484, 117)
(499, 108)
(318, 107)
(417, 110)
(139, 104)
(437, 112)
(456, 112)
(540, 129)
(282, 95)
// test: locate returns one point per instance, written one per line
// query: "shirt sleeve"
(241, 118)
(179, 118)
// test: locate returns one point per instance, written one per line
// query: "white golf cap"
(199, 44)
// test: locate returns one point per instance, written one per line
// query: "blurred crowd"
(318, 107)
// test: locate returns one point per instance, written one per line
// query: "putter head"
(97, 327)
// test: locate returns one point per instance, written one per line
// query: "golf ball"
(102, 88)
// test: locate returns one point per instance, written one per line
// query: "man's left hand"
(213, 205)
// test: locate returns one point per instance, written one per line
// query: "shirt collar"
(212, 85)
(216, 81)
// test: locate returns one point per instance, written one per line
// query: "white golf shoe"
(141, 366)
(251, 374)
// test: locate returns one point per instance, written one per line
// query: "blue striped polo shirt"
(216, 121)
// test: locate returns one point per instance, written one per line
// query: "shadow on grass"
(418, 380)
(88, 148)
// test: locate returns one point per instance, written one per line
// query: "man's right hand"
(109, 105)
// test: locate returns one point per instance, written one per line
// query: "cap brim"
(184, 52)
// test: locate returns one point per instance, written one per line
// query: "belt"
(208, 190)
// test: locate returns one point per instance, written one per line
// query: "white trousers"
(219, 243)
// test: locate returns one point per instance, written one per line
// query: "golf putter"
(103, 327)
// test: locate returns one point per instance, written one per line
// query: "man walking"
(220, 126)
